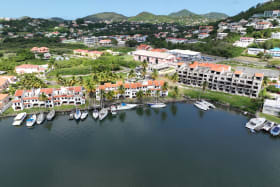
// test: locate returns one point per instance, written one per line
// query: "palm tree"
(165, 86)
(80, 80)
(131, 74)
(176, 91)
(140, 95)
(43, 97)
(144, 72)
(144, 64)
(175, 77)
(90, 89)
(109, 95)
(121, 90)
(148, 93)
(155, 74)
(204, 86)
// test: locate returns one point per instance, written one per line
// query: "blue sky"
(72, 9)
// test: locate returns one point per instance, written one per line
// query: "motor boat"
(210, 105)
(84, 115)
(157, 105)
(31, 121)
(113, 110)
(124, 106)
(95, 114)
(268, 125)
(77, 114)
(256, 123)
(18, 120)
(275, 131)
(103, 113)
(40, 118)
(201, 106)
(51, 115)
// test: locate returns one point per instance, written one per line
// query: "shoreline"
(187, 100)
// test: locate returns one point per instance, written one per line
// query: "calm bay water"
(175, 146)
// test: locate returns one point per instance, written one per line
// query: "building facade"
(24, 99)
(220, 78)
(131, 89)
(272, 107)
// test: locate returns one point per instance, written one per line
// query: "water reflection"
(148, 112)
(140, 111)
(48, 125)
(173, 109)
(156, 110)
(122, 116)
(200, 114)
(163, 116)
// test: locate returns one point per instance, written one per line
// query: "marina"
(140, 142)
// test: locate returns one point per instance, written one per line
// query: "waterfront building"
(272, 107)
(155, 60)
(220, 78)
(131, 89)
(48, 97)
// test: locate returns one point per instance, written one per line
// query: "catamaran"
(31, 121)
(51, 115)
(19, 119)
(124, 106)
(84, 115)
(77, 114)
(103, 113)
(41, 118)
(95, 114)
(256, 123)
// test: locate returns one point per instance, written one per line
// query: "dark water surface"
(175, 146)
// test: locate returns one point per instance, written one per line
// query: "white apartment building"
(91, 41)
(272, 107)
(24, 99)
(220, 78)
(275, 35)
(131, 89)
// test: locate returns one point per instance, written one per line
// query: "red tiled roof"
(18, 93)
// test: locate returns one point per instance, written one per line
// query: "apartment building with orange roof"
(131, 89)
(220, 78)
(24, 99)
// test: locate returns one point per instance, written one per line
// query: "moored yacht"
(210, 105)
(40, 118)
(103, 113)
(77, 114)
(84, 115)
(124, 106)
(18, 120)
(31, 121)
(95, 114)
(113, 110)
(157, 105)
(201, 106)
(51, 115)
(268, 125)
(256, 123)
(275, 131)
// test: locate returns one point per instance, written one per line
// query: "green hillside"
(109, 16)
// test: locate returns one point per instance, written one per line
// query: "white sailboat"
(201, 106)
(157, 105)
(77, 114)
(210, 105)
(113, 110)
(40, 118)
(103, 114)
(84, 115)
(256, 123)
(95, 114)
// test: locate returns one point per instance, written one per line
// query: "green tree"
(155, 74)
(140, 95)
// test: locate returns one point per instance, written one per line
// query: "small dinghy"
(157, 105)
(31, 121)
(41, 118)
(71, 116)
(84, 115)
(18, 120)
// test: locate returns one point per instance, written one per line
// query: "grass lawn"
(243, 103)
(270, 118)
